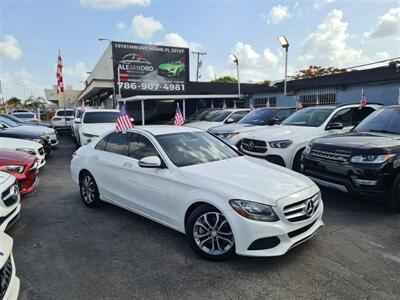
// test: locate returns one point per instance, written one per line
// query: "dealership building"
(151, 79)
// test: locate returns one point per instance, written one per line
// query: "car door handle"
(127, 165)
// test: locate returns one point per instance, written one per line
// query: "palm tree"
(14, 102)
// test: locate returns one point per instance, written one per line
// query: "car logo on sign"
(309, 208)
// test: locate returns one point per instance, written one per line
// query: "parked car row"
(24, 146)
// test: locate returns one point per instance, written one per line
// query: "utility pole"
(199, 63)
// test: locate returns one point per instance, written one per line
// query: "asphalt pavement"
(64, 250)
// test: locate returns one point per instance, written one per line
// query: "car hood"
(360, 142)
(3, 177)
(205, 125)
(247, 178)
(282, 132)
(14, 143)
(6, 244)
(19, 133)
(38, 129)
(14, 157)
(97, 128)
(236, 127)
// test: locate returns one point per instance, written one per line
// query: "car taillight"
(57, 119)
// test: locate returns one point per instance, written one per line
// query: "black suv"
(364, 162)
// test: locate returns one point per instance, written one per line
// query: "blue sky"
(320, 32)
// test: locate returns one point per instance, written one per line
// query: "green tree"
(225, 79)
(14, 102)
(266, 81)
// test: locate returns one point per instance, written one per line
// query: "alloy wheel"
(88, 189)
(213, 234)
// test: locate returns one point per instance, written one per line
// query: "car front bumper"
(10, 218)
(14, 285)
(278, 237)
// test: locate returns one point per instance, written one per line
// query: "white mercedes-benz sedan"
(189, 180)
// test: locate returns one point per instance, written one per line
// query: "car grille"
(330, 155)
(302, 210)
(255, 146)
(41, 150)
(10, 195)
(5, 277)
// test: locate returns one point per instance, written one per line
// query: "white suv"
(96, 122)
(226, 116)
(9, 282)
(284, 144)
(62, 119)
(9, 201)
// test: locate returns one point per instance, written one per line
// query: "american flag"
(60, 81)
(363, 101)
(224, 105)
(317, 103)
(267, 103)
(179, 121)
(123, 121)
(251, 105)
(299, 105)
(82, 106)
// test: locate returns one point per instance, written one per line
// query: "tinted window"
(361, 114)
(101, 117)
(343, 116)
(383, 120)
(256, 117)
(282, 114)
(8, 122)
(25, 115)
(117, 143)
(140, 146)
(311, 117)
(238, 115)
(102, 144)
(68, 113)
(191, 148)
(12, 118)
(210, 115)
(220, 116)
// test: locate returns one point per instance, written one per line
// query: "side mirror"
(230, 120)
(150, 162)
(335, 126)
(274, 121)
(2, 126)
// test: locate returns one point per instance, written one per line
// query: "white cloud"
(388, 26)
(277, 14)
(320, 3)
(20, 84)
(121, 25)
(270, 58)
(145, 27)
(381, 55)
(75, 74)
(327, 46)
(113, 4)
(10, 48)
(174, 39)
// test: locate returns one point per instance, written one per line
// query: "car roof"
(166, 129)
(334, 106)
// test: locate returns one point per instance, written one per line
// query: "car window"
(140, 146)
(311, 117)
(68, 113)
(385, 120)
(257, 117)
(100, 117)
(219, 117)
(8, 123)
(102, 144)
(117, 143)
(343, 116)
(361, 114)
(238, 115)
(282, 114)
(26, 115)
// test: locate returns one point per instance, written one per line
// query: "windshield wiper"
(383, 131)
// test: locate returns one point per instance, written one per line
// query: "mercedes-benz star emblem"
(309, 208)
(251, 145)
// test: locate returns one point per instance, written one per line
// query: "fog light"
(364, 181)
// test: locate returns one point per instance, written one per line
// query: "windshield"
(385, 120)
(209, 115)
(12, 118)
(192, 148)
(219, 117)
(68, 113)
(311, 117)
(8, 122)
(25, 115)
(256, 117)
(101, 117)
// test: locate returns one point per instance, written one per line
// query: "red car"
(23, 166)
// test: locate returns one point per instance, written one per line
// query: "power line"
(199, 63)
(373, 63)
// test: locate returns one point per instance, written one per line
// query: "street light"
(236, 61)
(285, 44)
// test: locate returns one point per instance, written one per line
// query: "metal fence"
(262, 101)
(317, 96)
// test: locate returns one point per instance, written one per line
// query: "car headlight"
(27, 150)
(307, 150)
(89, 135)
(371, 159)
(13, 168)
(254, 211)
(280, 144)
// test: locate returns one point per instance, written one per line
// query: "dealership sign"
(140, 67)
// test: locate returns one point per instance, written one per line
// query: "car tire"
(297, 161)
(89, 192)
(393, 201)
(209, 233)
